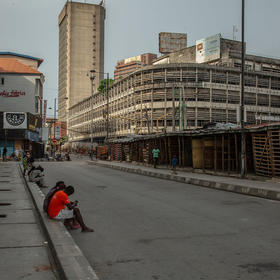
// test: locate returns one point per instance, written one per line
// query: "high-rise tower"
(81, 49)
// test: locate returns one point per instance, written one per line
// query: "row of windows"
(217, 115)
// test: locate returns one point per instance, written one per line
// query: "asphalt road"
(148, 228)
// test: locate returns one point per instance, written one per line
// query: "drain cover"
(5, 204)
(5, 190)
(3, 215)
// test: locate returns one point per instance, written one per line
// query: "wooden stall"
(266, 150)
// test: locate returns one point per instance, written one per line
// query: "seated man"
(37, 176)
(60, 185)
(61, 207)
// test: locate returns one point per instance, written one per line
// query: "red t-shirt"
(57, 203)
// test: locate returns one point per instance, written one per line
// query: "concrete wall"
(22, 91)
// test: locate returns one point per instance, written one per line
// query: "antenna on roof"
(234, 32)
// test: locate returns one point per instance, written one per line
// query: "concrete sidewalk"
(264, 189)
(32, 246)
(70, 262)
(23, 247)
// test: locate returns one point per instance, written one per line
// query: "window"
(37, 102)
(2, 81)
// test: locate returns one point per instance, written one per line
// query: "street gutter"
(236, 188)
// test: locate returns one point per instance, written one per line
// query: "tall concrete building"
(81, 49)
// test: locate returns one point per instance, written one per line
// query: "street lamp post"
(107, 119)
(92, 77)
(53, 123)
(242, 169)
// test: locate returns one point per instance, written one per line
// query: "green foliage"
(103, 85)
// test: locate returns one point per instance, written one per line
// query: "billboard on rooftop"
(208, 49)
(170, 42)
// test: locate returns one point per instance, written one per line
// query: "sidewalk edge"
(70, 262)
(258, 192)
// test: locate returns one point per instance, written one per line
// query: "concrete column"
(152, 106)
(269, 100)
(211, 95)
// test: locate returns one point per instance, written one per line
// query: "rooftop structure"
(26, 59)
(12, 65)
(126, 66)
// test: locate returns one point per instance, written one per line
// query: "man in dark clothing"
(4, 155)
(174, 164)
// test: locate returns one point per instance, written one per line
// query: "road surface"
(148, 228)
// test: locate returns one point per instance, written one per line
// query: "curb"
(70, 262)
(258, 192)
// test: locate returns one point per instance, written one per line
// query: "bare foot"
(87, 230)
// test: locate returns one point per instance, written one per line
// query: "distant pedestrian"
(4, 154)
(174, 164)
(155, 153)
(24, 164)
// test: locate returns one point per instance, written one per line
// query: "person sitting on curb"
(60, 185)
(37, 176)
(30, 165)
(61, 208)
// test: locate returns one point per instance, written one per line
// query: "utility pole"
(242, 171)
(107, 117)
(54, 117)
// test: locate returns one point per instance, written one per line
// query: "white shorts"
(64, 214)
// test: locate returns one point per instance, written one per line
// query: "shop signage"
(267, 118)
(32, 136)
(57, 132)
(14, 120)
(45, 113)
(13, 93)
(33, 122)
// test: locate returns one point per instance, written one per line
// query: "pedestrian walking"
(4, 154)
(174, 164)
(24, 164)
(155, 153)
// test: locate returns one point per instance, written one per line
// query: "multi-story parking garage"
(172, 95)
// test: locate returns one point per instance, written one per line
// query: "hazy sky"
(132, 26)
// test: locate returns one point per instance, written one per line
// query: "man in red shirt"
(61, 207)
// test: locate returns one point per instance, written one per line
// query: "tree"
(103, 85)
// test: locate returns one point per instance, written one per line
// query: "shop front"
(19, 131)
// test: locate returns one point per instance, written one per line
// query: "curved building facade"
(176, 96)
